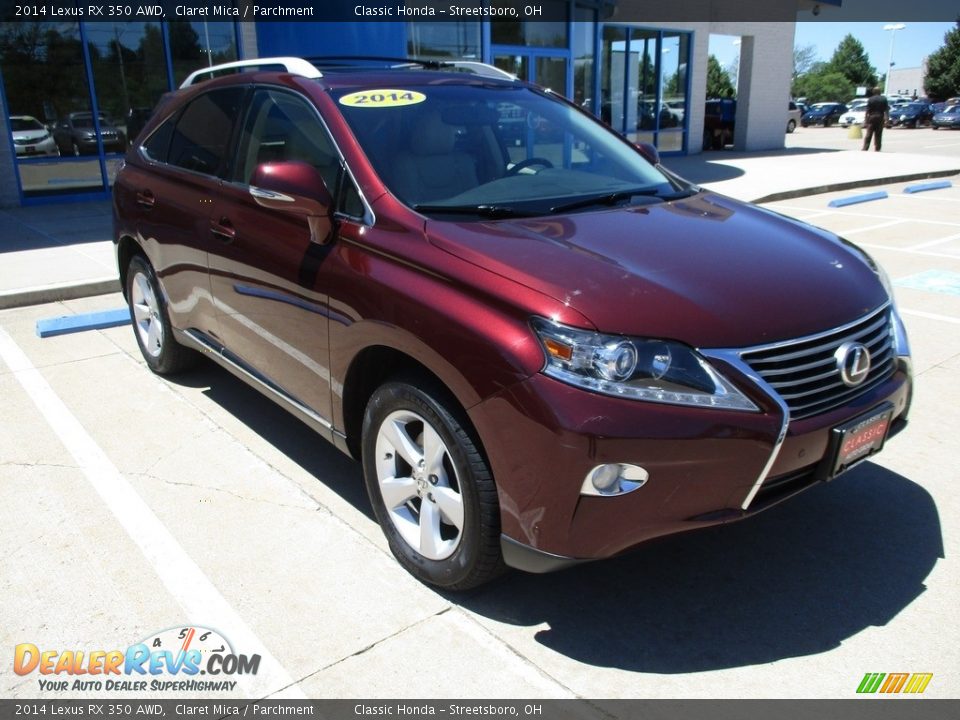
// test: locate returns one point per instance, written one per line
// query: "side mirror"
(292, 186)
(649, 153)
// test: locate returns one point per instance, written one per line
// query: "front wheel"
(430, 486)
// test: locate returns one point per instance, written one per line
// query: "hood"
(708, 271)
(30, 134)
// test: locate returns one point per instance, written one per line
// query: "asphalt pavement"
(131, 505)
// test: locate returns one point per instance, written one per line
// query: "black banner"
(471, 10)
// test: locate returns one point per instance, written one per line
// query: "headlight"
(635, 368)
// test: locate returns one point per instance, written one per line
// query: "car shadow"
(796, 580)
(282, 430)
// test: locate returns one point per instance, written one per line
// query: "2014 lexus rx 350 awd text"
(543, 346)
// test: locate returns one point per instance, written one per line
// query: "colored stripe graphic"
(918, 682)
(870, 682)
(895, 682)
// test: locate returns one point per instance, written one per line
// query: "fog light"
(613, 479)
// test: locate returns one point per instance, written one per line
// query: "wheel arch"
(374, 365)
(127, 247)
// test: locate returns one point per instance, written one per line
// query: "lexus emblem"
(853, 362)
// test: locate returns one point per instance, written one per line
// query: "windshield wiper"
(487, 211)
(617, 197)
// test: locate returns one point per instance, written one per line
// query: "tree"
(943, 67)
(824, 85)
(804, 58)
(851, 60)
(718, 81)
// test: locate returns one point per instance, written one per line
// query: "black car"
(76, 135)
(912, 115)
(949, 118)
(823, 114)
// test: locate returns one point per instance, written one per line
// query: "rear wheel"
(791, 126)
(430, 486)
(151, 322)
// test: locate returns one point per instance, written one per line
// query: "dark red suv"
(543, 346)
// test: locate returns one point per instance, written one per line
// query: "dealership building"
(85, 86)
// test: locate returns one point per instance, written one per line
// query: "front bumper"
(543, 437)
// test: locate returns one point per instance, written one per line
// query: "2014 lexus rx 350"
(543, 346)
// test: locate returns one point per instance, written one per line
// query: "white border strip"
(202, 603)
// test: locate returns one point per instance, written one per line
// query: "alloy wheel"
(146, 313)
(419, 485)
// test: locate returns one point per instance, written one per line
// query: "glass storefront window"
(583, 48)
(531, 32)
(129, 75)
(444, 39)
(197, 43)
(643, 84)
(48, 99)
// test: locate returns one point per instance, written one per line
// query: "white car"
(30, 137)
(854, 117)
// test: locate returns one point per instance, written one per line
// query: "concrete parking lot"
(131, 504)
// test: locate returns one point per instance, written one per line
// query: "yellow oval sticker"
(382, 98)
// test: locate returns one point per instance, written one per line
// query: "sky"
(910, 45)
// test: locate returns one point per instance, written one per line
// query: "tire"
(151, 321)
(407, 422)
(791, 126)
(826, 123)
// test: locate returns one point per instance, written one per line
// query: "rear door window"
(201, 138)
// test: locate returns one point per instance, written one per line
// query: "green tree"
(851, 60)
(824, 85)
(718, 81)
(943, 67)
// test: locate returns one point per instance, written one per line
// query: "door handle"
(223, 230)
(145, 199)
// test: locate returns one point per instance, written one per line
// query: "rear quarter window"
(200, 141)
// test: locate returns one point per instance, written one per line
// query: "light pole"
(893, 33)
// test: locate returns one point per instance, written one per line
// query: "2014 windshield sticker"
(170, 660)
(382, 98)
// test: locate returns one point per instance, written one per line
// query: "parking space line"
(926, 253)
(938, 197)
(875, 216)
(889, 223)
(931, 316)
(202, 603)
(933, 243)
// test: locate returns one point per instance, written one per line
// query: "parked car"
(719, 122)
(76, 135)
(856, 110)
(793, 116)
(31, 137)
(949, 118)
(541, 353)
(854, 117)
(912, 115)
(825, 114)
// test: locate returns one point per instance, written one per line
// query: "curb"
(59, 291)
(852, 184)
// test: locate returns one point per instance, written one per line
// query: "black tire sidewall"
(455, 571)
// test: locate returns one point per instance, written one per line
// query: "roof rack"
(296, 66)
(473, 67)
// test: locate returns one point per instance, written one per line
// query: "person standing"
(874, 119)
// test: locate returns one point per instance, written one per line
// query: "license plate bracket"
(862, 437)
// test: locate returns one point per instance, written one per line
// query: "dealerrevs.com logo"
(188, 659)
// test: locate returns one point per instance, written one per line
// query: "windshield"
(24, 124)
(494, 150)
